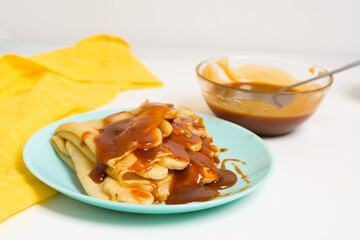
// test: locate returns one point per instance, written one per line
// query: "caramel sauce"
(182, 124)
(208, 147)
(257, 87)
(244, 188)
(227, 179)
(243, 176)
(116, 138)
(223, 150)
(136, 134)
(225, 194)
(230, 160)
(216, 160)
(178, 150)
(262, 125)
(259, 121)
(185, 122)
(98, 174)
(175, 145)
(179, 127)
(145, 157)
(83, 137)
(203, 161)
(238, 170)
(185, 139)
(149, 140)
(186, 185)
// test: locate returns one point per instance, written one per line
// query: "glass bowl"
(264, 113)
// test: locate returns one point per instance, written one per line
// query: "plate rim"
(139, 208)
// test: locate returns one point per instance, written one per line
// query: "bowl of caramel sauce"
(244, 90)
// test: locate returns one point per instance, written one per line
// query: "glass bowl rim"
(330, 78)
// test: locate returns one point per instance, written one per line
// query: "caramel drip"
(243, 176)
(223, 149)
(230, 160)
(98, 174)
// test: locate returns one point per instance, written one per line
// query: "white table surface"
(314, 192)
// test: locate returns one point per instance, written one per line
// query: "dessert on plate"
(148, 155)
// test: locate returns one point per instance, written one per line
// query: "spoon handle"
(340, 69)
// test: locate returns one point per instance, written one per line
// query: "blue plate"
(42, 161)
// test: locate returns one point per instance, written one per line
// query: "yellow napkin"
(41, 89)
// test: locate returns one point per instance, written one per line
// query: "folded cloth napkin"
(38, 90)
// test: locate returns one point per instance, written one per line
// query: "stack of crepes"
(38, 90)
(147, 155)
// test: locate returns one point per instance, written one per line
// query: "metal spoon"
(350, 65)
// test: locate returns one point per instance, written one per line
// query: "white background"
(312, 26)
(314, 192)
